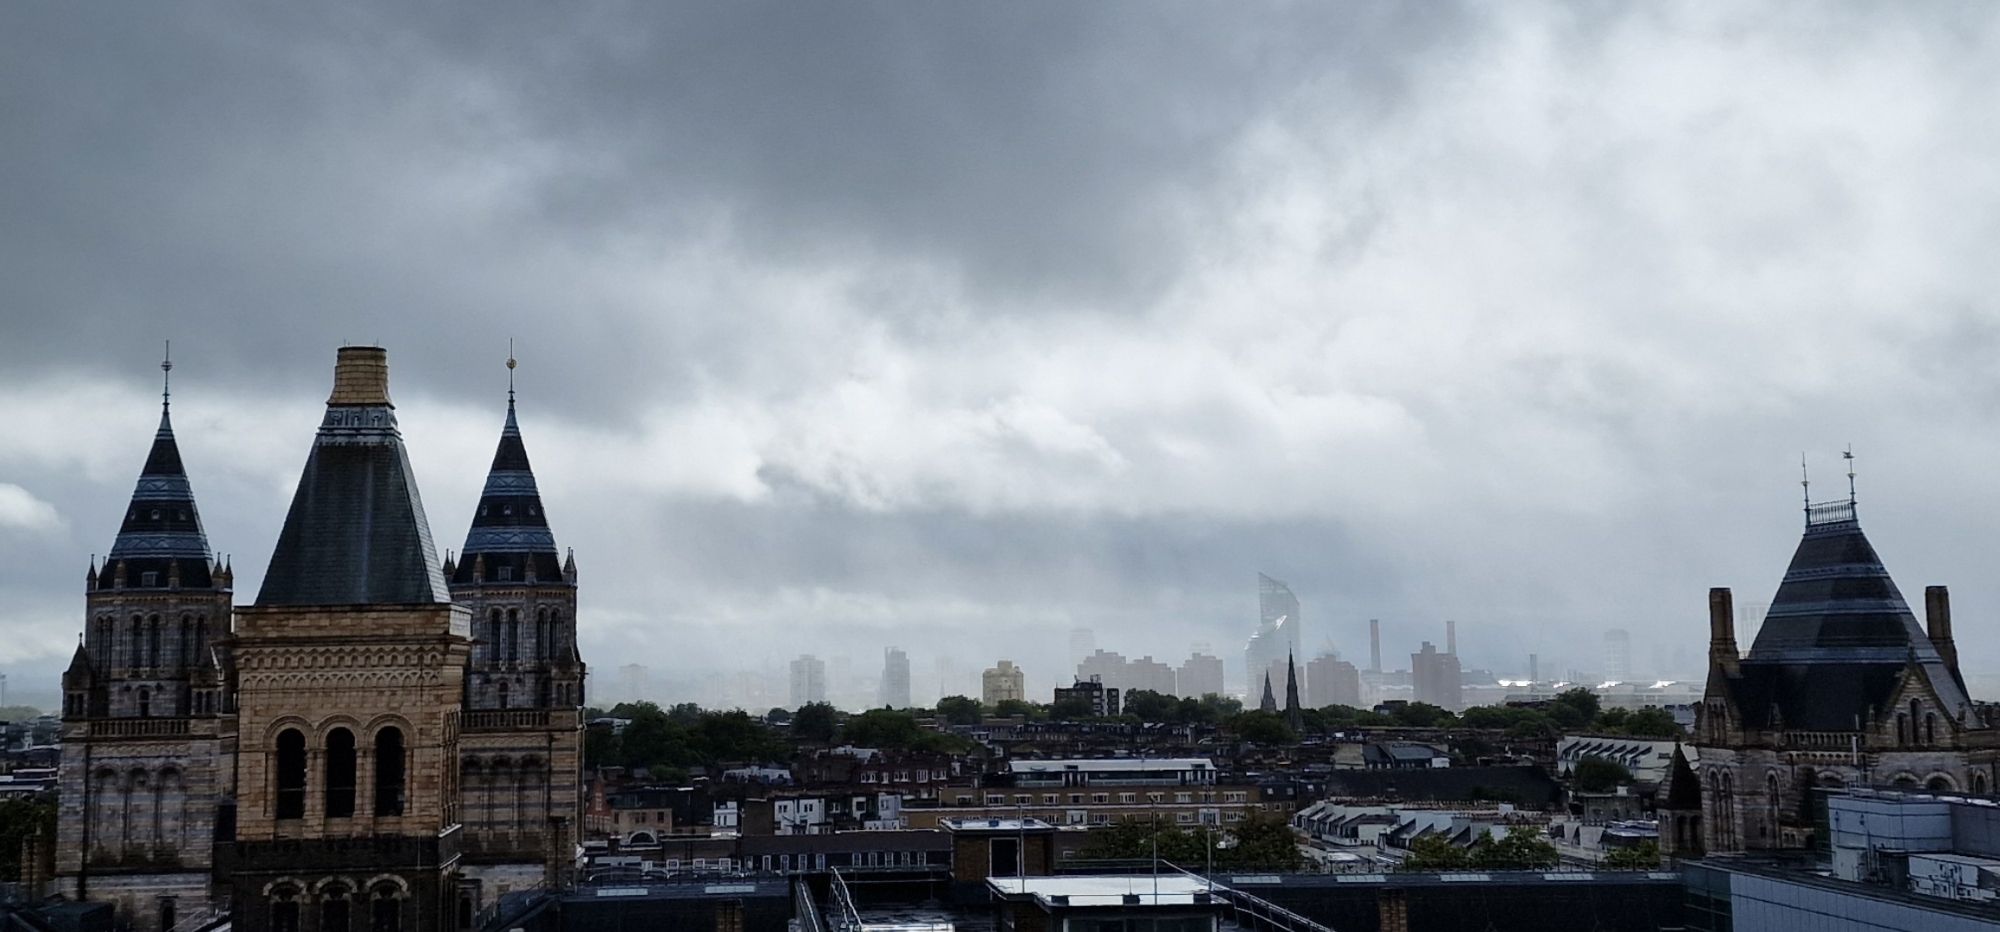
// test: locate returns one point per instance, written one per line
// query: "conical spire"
(162, 529)
(1292, 712)
(1270, 702)
(356, 533)
(510, 538)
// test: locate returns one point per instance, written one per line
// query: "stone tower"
(521, 745)
(143, 764)
(349, 674)
(1841, 687)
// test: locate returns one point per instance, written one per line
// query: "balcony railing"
(136, 727)
(517, 719)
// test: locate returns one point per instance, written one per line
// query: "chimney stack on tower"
(1937, 619)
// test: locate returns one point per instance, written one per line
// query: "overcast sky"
(955, 326)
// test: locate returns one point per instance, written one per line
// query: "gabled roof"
(162, 528)
(1683, 787)
(356, 533)
(509, 530)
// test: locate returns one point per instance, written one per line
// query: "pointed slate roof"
(162, 529)
(1683, 787)
(356, 533)
(1838, 635)
(1270, 702)
(510, 531)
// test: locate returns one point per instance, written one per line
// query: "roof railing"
(1835, 512)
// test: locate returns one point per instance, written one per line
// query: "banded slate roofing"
(510, 531)
(1838, 636)
(162, 528)
(356, 533)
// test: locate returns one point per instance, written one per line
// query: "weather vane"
(167, 375)
(1848, 455)
(510, 371)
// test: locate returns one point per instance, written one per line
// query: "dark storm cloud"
(452, 175)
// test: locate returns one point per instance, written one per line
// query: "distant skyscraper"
(1147, 673)
(1618, 655)
(1332, 681)
(1277, 634)
(1434, 678)
(1374, 645)
(1106, 666)
(1451, 638)
(1200, 675)
(808, 680)
(1082, 641)
(895, 678)
(1001, 682)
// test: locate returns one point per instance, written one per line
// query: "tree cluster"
(669, 741)
(1522, 848)
(1262, 841)
(20, 817)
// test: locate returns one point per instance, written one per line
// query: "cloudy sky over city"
(958, 326)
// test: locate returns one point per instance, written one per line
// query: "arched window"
(513, 635)
(501, 691)
(542, 635)
(1939, 784)
(1979, 783)
(291, 775)
(389, 772)
(1916, 716)
(285, 909)
(385, 911)
(340, 774)
(184, 651)
(335, 909)
(493, 639)
(1771, 809)
(201, 635)
(145, 703)
(153, 643)
(135, 643)
(1930, 727)
(1902, 728)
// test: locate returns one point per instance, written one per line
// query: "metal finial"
(1848, 455)
(167, 376)
(510, 372)
(1805, 483)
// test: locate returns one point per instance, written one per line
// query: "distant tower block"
(1451, 638)
(1374, 645)
(1534, 669)
(1618, 655)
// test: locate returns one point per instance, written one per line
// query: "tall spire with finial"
(1805, 485)
(510, 530)
(161, 534)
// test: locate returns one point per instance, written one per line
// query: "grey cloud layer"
(868, 318)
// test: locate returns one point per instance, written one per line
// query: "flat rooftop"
(1112, 890)
(1101, 765)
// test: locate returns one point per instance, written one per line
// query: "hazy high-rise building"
(1451, 637)
(1082, 641)
(1534, 669)
(1374, 645)
(895, 678)
(1332, 681)
(635, 682)
(1434, 678)
(1001, 682)
(1277, 634)
(1147, 673)
(1618, 655)
(1200, 675)
(1106, 666)
(808, 680)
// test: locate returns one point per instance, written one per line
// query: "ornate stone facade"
(1840, 687)
(143, 759)
(330, 757)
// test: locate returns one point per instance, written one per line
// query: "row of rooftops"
(356, 532)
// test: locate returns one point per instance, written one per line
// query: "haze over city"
(957, 330)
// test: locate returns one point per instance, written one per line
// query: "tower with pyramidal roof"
(521, 744)
(144, 767)
(1841, 687)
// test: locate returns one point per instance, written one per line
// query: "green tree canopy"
(959, 710)
(1644, 856)
(1149, 706)
(1597, 775)
(815, 721)
(1262, 728)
